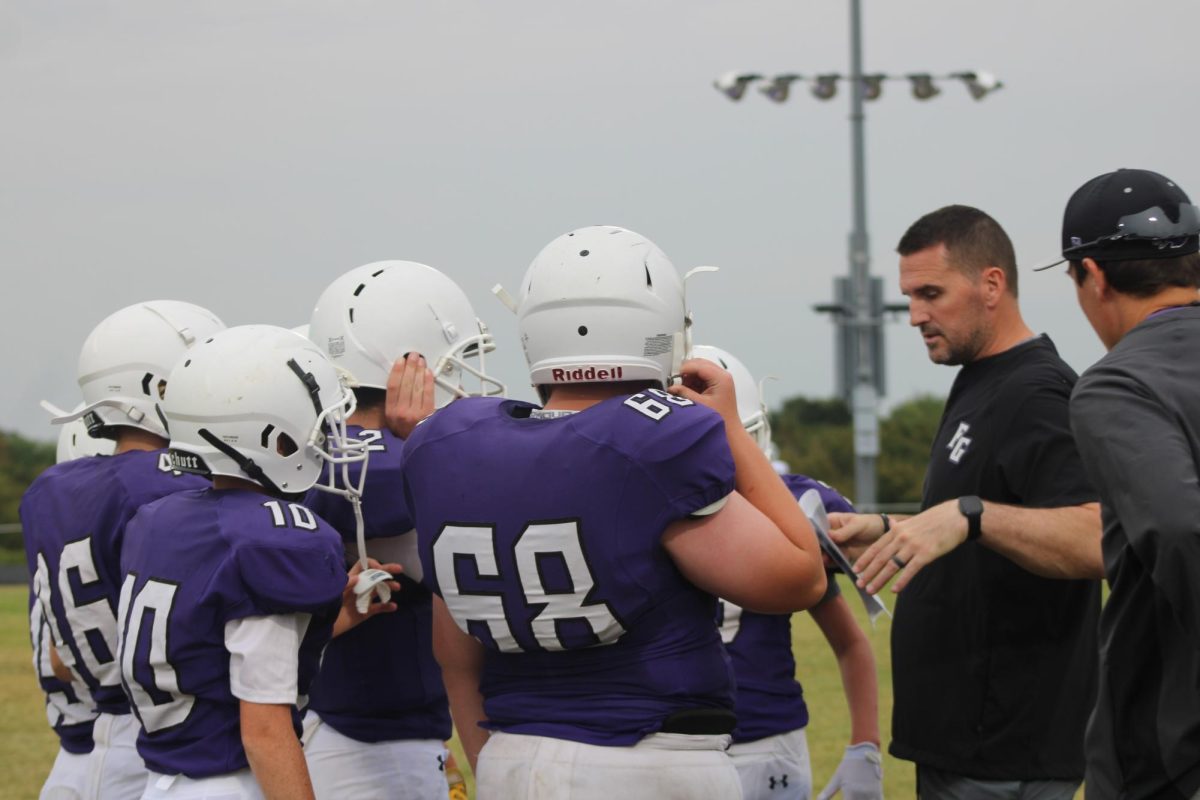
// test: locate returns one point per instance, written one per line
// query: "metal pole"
(864, 400)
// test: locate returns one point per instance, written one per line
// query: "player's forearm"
(856, 663)
(1051, 542)
(466, 709)
(274, 751)
(757, 481)
(461, 659)
(860, 683)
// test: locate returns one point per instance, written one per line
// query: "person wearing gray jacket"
(1131, 239)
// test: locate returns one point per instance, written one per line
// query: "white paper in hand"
(814, 509)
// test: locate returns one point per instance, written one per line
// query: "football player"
(575, 549)
(230, 592)
(70, 709)
(74, 515)
(378, 714)
(769, 747)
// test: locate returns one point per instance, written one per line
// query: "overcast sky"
(241, 155)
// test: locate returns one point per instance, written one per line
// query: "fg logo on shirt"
(959, 443)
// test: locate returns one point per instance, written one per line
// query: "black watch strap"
(971, 507)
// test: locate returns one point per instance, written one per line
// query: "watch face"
(970, 505)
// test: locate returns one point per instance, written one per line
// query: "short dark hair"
(1145, 277)
(973, 241)
(367, 397)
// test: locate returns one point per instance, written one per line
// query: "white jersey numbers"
(655, 403)
(93, 624)
(150, 680)
(300, 516)
(540, 540)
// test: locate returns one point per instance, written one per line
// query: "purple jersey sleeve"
(192, 563)
(543, 537)
(770, 700)
(73, 519)
(380, 681)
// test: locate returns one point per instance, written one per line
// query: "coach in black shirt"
(994, 640)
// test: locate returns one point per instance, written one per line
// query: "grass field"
(27, 746)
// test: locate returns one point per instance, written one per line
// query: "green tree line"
(816, 438)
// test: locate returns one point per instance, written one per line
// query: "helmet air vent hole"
(352, 316)
(376, 274)
(146, 383)
(358, 291)
(162, 389)
(724, 366)
(583, 330)
(187, 363)
(285, 445)
(583, 252)
(649, 281)
(266, 436)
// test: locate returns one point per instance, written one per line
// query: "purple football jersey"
(193, 562)
(769, 699)
(73, 518)
(380, 681)
(543, 538)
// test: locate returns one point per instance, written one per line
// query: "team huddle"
(281, 563)
(275, 562)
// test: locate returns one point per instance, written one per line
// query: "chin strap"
(247, 465)
(370, 581)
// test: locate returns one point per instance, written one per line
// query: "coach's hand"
(859, 776)
(910, 545)
(409, 394)
(854, 533)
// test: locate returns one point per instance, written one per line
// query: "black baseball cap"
(1129, 214)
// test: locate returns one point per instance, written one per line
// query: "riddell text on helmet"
(581, 374)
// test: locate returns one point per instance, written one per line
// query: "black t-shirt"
(994, 668)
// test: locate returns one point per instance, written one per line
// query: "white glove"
(371, 580)
(859, 776)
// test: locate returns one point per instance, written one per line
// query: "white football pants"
(341, 767)
(662, 766)
(774, 768)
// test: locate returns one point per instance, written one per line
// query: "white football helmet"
(262, 403)
(751, 408)
(602, 304)
(125, 360)
(74, 441)
(376, 313)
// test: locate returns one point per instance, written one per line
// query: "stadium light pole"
(858, 309)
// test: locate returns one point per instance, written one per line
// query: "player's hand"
(859, 776)
(910, 545)
(350, 616)
(854, 533)
(707, 384)
(409, 394)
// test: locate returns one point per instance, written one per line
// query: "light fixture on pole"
(923, 87)
(825, 86)
(872, 85)
(733, 84)
(859, 307)
(979, 84)
(779, 87)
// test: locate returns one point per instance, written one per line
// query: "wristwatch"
(971, 507)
